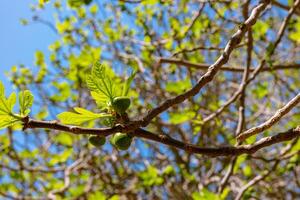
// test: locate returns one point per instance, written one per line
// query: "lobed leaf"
(25, 101)
(101, 100)
(6, 105)
(98, 70)
(6, 121)
(1, 89)
(80, 117)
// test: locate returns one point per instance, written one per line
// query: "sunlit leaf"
(11, 101)
(25, 101)
(127, 83)
(98, 70)
(7, 120)
(80, 117)
(101, 100)
(64, 139)
(1, 89)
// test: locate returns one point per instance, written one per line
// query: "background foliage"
(42, 164)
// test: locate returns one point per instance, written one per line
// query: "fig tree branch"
(203, 66)
(257, 69)
(270, 122)
(212, 70)
(165, 139)
(55, 125)
(222, 150)
(242, 107)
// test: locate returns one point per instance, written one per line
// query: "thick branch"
(223, 150)
(55, 125)
(210, 151)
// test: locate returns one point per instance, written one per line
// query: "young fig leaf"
(80, 117)
(25, 101)
(98, 70)
(127, 83)
(6, 121)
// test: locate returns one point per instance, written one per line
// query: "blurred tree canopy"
(212, 89)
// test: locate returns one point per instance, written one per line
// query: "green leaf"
(261, 90)
(1, 89)
(225, 193)
(179, 86)
(205, 194)
(96, 86)
(64, 139)
(295, 34)
(11, 101)
(127, 83)
(94, 9)
(7, 118)
(98, 70)
(100, 81)
(6, 105)
(98, 195)
(183, 116)
(91, 83)
(114, 197)
(241, 159)
(169, 170)
(25, 101)
(247, 170)
(80, 117)
(260, 28)
(6, 121)
(42, 2)
(61, 158)
(151, 176)
(101, 100)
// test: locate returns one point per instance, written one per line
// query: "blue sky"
(17, 42)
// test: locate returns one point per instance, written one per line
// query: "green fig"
(78, 3)
(121, 104)
(97, 141)
(87, 2)
(122, 141)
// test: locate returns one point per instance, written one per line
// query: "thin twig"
(212, 70)
(255, 180)
(270, 122)
(203, 66)
(257, 69)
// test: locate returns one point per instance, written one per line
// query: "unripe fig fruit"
(121, 104)
(122, 141)
(87, 2)
(97, 141)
